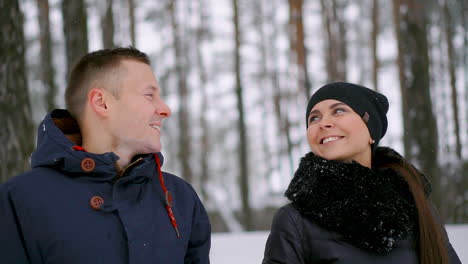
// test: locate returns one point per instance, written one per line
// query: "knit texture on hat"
(370, 105)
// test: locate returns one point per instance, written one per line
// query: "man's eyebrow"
(152, 88)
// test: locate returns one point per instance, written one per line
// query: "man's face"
(137, 113)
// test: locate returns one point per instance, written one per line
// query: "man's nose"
(163, 109)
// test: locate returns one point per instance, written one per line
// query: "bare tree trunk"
(449, 34)
(464, 22)
(282, 119)
(75, 29)
(201, 36)
(463, 214)
(329, 54)
(336, 52)
(131, 15)
(297, 39)
(241, 127)
(453, 15)
(16, 131)
(420, 137)
(338, 12)
(107, 25)
(183, 114)
(374, 38)
(464, 18)
(47, 67)
(264, 84)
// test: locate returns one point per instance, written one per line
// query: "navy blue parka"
(47, 216)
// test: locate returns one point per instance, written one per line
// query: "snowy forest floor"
(247, 247)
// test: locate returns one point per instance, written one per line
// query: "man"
(96, 192)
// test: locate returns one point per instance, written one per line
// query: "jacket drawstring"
(167, 195)
(79, 148)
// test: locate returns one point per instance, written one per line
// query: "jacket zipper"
(128, 166)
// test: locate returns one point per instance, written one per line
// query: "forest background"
(237, 75)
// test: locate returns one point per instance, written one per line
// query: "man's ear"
(97, 99)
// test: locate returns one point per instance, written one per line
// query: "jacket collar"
(59, 133)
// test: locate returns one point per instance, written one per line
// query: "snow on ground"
(230, 248)
(458, 235)
(247, 247)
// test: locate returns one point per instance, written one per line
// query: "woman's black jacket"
(297, 240)
(348, 213)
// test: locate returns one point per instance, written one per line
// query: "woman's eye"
(339, 110)
(313, 119)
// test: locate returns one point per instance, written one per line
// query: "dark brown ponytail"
(431, 240)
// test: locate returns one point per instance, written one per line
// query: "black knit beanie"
(370, 105)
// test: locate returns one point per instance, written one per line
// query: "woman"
(351, 201)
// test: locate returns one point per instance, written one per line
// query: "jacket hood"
(57, 136)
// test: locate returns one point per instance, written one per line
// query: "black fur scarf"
(370, 208)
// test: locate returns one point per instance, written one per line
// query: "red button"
(96, 202)
(88, 164)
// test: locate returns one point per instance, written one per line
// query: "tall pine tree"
(16, 131)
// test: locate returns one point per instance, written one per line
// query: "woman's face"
(336, 132)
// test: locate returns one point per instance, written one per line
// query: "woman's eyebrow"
(331, 107)
(314, 112)
(337, 104)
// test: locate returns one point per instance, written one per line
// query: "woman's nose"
(327, 121)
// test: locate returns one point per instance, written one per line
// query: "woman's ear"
(97, 99)
(371, 141)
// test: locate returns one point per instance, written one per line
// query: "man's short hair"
(99, 68)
